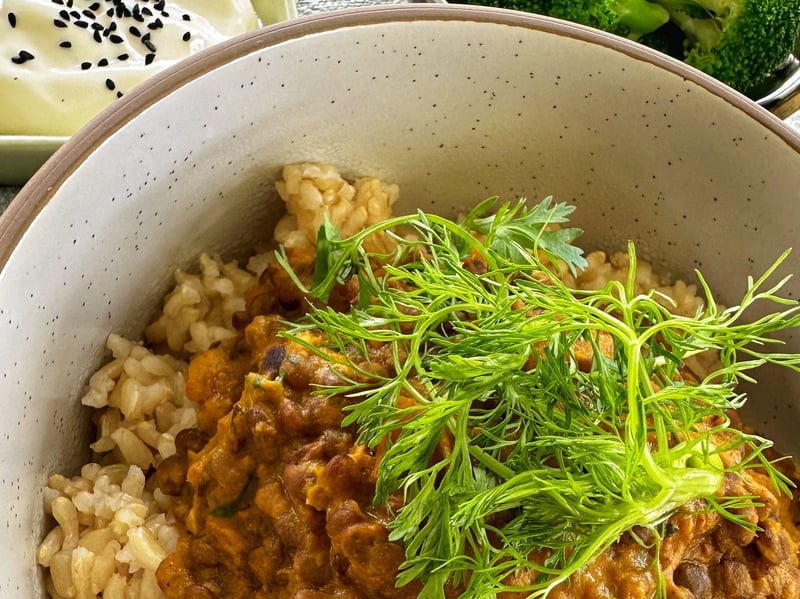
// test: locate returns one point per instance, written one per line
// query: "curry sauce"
(275, 497)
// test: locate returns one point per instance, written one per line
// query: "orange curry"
(274, 496)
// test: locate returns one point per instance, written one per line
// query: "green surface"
(22, 155)
(6, 195)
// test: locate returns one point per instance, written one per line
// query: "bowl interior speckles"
(452, 103)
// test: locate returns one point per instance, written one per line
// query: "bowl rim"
(41, 187)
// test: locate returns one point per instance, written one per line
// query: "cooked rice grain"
(143, 401)
(112, 524)
(312, 190)
(197, 313)
(112, 532)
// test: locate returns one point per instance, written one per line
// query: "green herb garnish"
(500, 437)
(242, 501)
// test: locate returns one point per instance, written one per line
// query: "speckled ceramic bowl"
(453, 103)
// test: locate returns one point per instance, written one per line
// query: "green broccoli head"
(629, 18)
(639, 17)
(739, 42)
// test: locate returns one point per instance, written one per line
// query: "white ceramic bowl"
(453, 103)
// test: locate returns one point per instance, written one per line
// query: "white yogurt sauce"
(63, 61)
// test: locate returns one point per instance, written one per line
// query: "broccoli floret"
(667, 40)
(739, 42)
(629, 18)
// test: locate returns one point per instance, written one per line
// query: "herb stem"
(496, 428)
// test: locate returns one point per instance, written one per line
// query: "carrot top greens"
(501, 439)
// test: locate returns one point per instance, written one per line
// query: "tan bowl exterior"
(453, 103)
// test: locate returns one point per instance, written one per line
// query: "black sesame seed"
(187, 36)
(66, 44)
(116, 39)
(85, 66)
(59, 23)
(12, 19)
(147, 11)
(75, 14)
(112, 26)
(94, 6)
(110, 12)
(110, 84)
(149, 45)
(159, 5)
(149, 58)
(64, 14)
(103, 62)
(135, 31)
(23, 57)
(138, 17)
(69, 3)
(119, 94)
(97, 26)
(82, 24)
(165, 14)
(88, 14)
(97, 37)
(187, 17)
(123, 57)
(61, 2)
